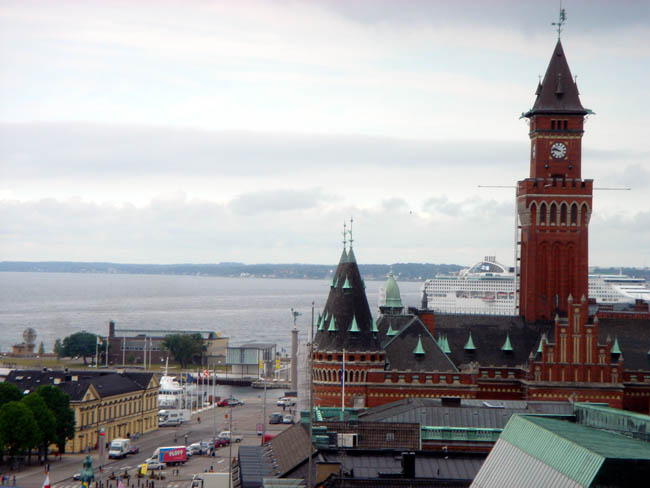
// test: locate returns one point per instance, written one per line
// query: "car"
(134, 450)
(288, 419)
(221, 443)
(197, 448)
(230, 438)
(154, 464)
(230, 402)
(188, 450)
(286, 402)
(275, 418)
(76, 476)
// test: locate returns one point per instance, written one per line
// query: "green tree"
(58, 348)
(18, 429)
(44, 419)
(41, 349)
(9, 393)
(80, 344)
(185, 348)
(58, 402)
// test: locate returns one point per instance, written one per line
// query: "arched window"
(552, 219)
(563, 214)
(542, 213)
(574, 214)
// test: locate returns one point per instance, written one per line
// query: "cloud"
(276, 201)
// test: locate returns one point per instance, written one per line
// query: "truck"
(119, 448)
(173, 417)
(169, 455)
(210, 480)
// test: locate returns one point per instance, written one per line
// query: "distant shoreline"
(404, 271)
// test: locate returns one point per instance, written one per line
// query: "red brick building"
(557, 349)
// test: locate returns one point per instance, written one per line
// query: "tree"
(41, 349)
(58, 402)
(58, 348)
(80, 344)
(9, 393)
(184, 347)
(18, 429)
(44, 419)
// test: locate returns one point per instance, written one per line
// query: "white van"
(119, 448)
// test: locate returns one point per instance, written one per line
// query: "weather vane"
(560, 22)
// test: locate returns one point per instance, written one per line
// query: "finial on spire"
(560, 22)
(350, 232)
(344, 235)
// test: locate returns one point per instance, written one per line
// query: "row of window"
(559, 124)
(127, 406)
(349, 357)
(557, 214)
(334, 375)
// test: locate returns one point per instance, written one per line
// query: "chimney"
(428, 319)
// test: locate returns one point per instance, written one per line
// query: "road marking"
(222, 460)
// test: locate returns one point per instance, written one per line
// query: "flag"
(99, 341)
(120, 484)
(46, 483)
(205, 373)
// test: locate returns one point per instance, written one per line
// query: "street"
(214, 420)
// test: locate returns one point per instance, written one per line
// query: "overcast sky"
(205, 131)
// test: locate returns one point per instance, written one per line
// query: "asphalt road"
(244, 422)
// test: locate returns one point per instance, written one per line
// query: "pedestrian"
(212, 469)
(14, 480)
(198, 419)
(283, 407)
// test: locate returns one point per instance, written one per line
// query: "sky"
(200, 131)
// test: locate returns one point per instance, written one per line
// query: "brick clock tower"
(554, 204)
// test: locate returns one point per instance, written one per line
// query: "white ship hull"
(488, 288)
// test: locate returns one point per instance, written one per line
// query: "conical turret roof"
(558, 92)
(347, 304)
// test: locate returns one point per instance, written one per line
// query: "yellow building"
(120, 404)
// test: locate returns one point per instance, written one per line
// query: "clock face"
(558, 150)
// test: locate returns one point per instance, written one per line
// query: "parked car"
(197, 448)
(288, 419)
(275, 418)
(286, 402)
(226, 434)
(230, 402)
(134, 450)
(222, 443)
(154, 464)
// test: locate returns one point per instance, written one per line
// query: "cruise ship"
(488, 288)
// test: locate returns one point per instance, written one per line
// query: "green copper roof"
(375, 329)
(351, 257)
(391, 331)
(443, 343)
(506, 345)
(615, 348)
(333, 282)
(574, 450)
(393, 297)
(539, 349)
(346, 285)
(344, 257)
(321, 322)
(317, 321)
(419, 349)
(469, 345)
(332, 326)
(354, 327)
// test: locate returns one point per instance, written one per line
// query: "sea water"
(242, 309)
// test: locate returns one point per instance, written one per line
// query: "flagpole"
(96, 351)
(106, 352)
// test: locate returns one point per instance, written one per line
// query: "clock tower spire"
(554, 203)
